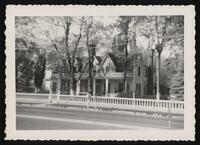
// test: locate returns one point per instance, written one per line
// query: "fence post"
(88, 100)
(50, 92)
(95, 101)
(58, 96)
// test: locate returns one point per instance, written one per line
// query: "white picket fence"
(147, 105)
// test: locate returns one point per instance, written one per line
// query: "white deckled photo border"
(79, 10)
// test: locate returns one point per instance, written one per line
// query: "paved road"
(54, 118)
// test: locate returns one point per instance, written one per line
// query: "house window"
(145, 90)
(120, 87)
(75, 69)
(138, 89)
(138, 71)
(102, 70)
(94, 69)
(83, 85)
(128, 88)
(107, 69)
(54, 87)
(63, 86)
(146, 71)
(109, 88)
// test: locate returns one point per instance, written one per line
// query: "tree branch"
(156, 25)
(164, 30)
(83, 70)
(63, 61)
(56, 48)
(57, 24)
(79, 37)
(67, 29)
(87, 32)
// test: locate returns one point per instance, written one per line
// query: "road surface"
(55, 118)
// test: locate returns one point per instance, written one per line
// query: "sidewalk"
(81, 108)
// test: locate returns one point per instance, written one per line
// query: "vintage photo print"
(100, 72)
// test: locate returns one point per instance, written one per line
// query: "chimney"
(92, 49)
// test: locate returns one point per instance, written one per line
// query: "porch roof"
(111, 75)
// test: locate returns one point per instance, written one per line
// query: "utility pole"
(134, 63)
(91, 52)
(152, 67)
(134, 74)
(158, 78)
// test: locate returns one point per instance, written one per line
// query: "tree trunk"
(71, 87)
(151, 86)
(134, 74)
(125, 65)
(90, 80)
(72, 77)
(125, 71)
(158, 78)
(126, 27)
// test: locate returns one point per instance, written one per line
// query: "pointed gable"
(99, 59)
(113, 58)
(109, 61)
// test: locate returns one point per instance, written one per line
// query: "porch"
(108, 85)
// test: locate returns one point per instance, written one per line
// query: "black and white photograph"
(99, 72)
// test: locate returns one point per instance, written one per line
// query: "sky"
(42, 26)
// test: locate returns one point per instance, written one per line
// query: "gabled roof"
(114, 59)
(79, 61)
(119, 65)
(111, 56)
(99, 59)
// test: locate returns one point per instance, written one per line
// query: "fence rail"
(164, 106)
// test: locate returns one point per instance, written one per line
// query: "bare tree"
(166, 28)
(69, 59)
(90, 50)
(159, 49)
(161, 31)
(93, 34)
(124, 26)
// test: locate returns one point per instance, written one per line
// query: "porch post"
(94, 87)
(107, 82)
(134, 80)
(50, 91)
(58, 89)
(78, 87)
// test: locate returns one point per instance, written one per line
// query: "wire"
(171, 29)
(166, 37)
(163, 37)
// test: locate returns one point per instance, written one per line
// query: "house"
(108, 76)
